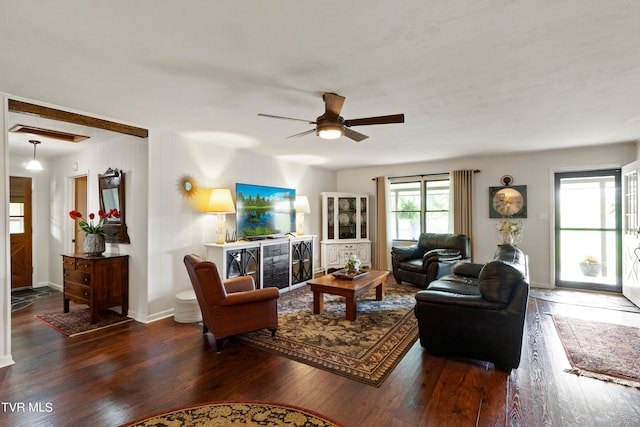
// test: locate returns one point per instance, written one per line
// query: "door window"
(588, 230)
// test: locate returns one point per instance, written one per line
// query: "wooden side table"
(100, 282)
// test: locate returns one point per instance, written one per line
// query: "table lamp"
(302, 207)
(221, 203)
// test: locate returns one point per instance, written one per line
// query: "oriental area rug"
(78, 322)
(604, 351)
(364, 350)
(237, 414)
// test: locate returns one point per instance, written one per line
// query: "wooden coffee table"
(350, 289)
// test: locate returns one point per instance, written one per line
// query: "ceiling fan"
(332, 125)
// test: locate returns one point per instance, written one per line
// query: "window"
(16, 218)
(419, 206)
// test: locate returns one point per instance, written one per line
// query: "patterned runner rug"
(78, 322)
(365, 350)
(237, 414)
(604, 351)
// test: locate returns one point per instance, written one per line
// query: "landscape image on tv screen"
(263, 211)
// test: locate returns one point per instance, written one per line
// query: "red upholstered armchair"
(231, 307)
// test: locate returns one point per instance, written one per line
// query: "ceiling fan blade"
(271, 116)
(380, 120)
(356, 136)
(306, 132)
(333, 103)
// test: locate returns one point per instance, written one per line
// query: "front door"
(588, 230)
(20, 231)
(630, 233)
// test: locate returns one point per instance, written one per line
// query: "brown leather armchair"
(231, 307)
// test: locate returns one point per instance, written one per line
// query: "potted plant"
(94, 240)
(590, 266)
(353, 265)
(510, 230)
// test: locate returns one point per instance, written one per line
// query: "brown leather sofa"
(477, 312)
(432, 257)
(231, 307)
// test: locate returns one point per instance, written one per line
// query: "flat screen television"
(263, 211)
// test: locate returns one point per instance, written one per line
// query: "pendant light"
(34, 164)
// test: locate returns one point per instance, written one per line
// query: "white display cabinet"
(345, 229)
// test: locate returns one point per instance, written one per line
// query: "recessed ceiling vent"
(48, 133)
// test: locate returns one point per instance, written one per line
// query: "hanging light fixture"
(34, 164)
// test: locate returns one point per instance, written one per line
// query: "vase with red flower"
(94, 243)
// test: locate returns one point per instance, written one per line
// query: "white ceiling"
(473, 77)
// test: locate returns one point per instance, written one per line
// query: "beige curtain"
(462, 192)
(382, 235)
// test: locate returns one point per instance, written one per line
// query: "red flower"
(91, 227)
(75, 214)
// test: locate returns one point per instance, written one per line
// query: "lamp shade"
(221, 201)
(302, 204)
(34, 165)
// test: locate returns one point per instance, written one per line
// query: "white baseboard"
(6, 361)
(154, 317)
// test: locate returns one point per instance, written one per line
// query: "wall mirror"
(112, 196)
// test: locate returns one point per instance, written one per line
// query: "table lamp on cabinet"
(302, 207)
(221, 203)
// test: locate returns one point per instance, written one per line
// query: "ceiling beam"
(78, 119)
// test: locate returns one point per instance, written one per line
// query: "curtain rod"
(422, 176)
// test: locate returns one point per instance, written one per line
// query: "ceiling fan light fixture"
(329, 130)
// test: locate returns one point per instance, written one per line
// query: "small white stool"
(187, 309)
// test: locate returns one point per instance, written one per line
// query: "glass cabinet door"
(363, 217)
(347, 219)
(330, 218)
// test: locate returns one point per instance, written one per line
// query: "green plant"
(353, 263)
(510, 229)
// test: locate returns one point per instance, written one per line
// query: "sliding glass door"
(588, 230)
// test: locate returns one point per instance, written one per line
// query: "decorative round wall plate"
(506, 180)
(187, 186)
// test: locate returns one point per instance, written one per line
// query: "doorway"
(20, 230)
(588, 230)
(80, 204)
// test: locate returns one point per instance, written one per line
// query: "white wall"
(535, 170)
(177, 229)
(5, 259)
(129, 154)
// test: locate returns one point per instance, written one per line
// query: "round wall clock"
(508, 201)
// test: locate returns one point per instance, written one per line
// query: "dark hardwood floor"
(109, 378)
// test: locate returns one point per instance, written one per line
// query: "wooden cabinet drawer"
(84, 265)
(77, 291)
(77, 276)
(68, 263)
